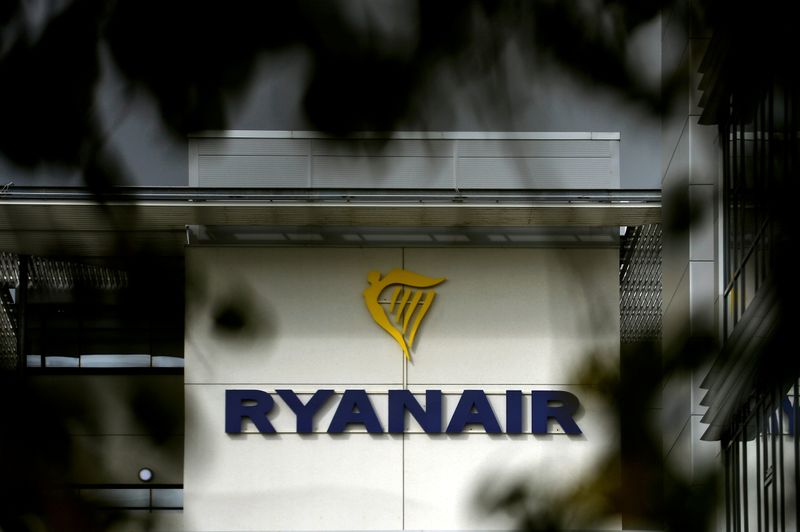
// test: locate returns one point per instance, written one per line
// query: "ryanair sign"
(406, 305)
(408, 296)
(355, 409)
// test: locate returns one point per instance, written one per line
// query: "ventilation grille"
(640, 284)
(420, 163)
(9, 275)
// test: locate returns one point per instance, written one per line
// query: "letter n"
(429, 418)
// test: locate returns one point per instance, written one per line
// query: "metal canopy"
(74, 221)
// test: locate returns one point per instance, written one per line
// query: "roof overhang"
(75, 222)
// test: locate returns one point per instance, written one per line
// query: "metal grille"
(640, 284)
(9, 269)
(44, 274)
(65, 275)
(9, 276)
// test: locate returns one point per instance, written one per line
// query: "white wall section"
(505, 319)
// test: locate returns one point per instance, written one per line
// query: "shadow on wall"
(632, 482)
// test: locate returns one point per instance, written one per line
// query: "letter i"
(513, 411)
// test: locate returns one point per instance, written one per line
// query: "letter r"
(236, 410)
(541, 411)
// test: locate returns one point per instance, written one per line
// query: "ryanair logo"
(410, 300)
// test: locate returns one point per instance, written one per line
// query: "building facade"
(211, 312)
(279, 314)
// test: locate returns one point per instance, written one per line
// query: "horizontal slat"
(534, 148)
(382, 172)
(399, 148)
(252, 146)
(278, 171)
(521, 173)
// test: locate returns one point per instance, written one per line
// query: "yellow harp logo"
(408, 303)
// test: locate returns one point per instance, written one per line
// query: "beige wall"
(504, 319)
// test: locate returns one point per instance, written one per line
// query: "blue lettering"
(305, 412)
(473, 408)
(430, 417)
(542, 411)
(355, 408)
(236, 410)
(513, 411)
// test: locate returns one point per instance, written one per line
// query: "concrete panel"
(704, 153)
(304, 319)
(674, 31)
(677, 159)
(679, 455)
(702, 292)
(675, 319)
(676, 400)
(292, 482)
(676, 214)
(701, 232)
(704, 453)
(253, 482)
(447, 476)
(516, 315)
(674, 119)
(698, 376)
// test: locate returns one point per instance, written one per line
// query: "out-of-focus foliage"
(371, 63)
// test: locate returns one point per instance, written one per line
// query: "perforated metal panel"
(640, 284)
(406, 160)
(9, 279)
